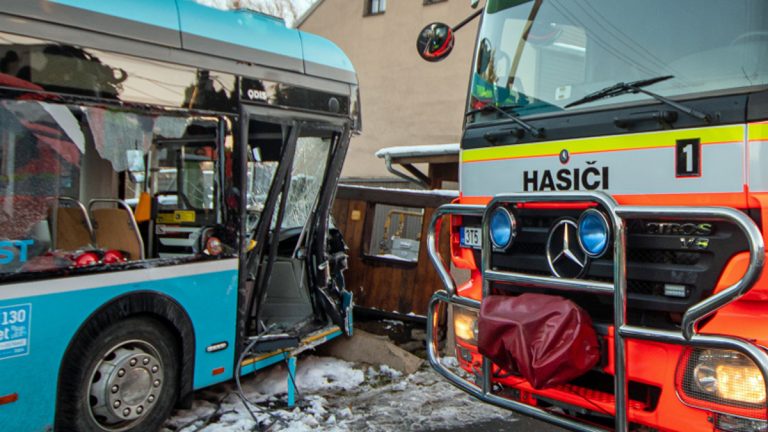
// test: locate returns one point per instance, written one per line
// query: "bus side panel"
(246, 36)
(209, 297)
(161, 13)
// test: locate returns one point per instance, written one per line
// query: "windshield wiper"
(637, 87)
(534, 131)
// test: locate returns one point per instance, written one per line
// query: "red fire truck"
(612, 214)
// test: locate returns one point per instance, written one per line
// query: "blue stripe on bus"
(161, 13)
(210, 300)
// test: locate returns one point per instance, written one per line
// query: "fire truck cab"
(612, 213)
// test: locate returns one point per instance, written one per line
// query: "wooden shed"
(386, 230)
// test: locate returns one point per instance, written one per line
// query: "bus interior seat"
(288, 301)
(71, 227)
(115, 228)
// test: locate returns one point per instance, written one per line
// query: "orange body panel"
(650, 363)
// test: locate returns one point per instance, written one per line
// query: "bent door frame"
(293, 121)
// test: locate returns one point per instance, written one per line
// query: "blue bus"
(166, 173)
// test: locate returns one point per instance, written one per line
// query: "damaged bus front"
(611, 214)
(164, 210)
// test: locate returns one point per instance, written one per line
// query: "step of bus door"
(274, 342)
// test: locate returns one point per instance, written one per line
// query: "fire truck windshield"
(539, 56)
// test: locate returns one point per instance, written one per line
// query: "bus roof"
(240, 35)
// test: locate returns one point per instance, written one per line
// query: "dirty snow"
(334, 395)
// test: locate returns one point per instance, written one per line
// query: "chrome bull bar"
(687, 336)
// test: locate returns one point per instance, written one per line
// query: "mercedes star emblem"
(564, 156)
(564, 256)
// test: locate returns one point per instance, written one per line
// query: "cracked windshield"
(536, 57)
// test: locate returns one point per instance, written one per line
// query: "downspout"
(393, 170)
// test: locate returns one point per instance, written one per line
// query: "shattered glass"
(39, 160)
(170, 127)
(260, 177)
(46, 152)
(116, 133)
(307, 177)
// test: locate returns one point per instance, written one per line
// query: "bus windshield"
(537, 56)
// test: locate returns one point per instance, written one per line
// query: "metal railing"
(687, 336)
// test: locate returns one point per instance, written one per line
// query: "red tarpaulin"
(547, 339)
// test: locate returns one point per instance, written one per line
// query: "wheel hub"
(126, 384)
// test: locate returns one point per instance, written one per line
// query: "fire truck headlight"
(503, 228)
(729, 375)
(594, 233)
(465, 324)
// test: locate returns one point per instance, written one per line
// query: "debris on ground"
(364, 347)
(335, 395)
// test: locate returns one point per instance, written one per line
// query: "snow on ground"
(334, 395)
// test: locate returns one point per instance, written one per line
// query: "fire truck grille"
(667, 270)
(663, 257)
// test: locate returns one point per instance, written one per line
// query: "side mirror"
(474, 3)
(435, 42)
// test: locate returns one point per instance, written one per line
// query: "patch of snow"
(393, 322)
(450, 362)
(415, 192)
(335, 396)
(389, 372)
(394, 258)
(419, 150)
(313, 374)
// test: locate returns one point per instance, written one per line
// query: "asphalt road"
(520, 423)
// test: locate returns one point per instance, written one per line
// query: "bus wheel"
(127, 380)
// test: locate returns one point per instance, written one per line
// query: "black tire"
(91, 380)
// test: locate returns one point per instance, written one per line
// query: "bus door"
(185, 185)
(292, 170)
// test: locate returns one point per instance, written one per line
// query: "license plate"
(470, 237)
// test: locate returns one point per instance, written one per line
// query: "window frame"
(380, 7)
(369, 228)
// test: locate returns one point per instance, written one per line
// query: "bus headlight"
(594, 233)
(725, 375)
(503, 228)
(465, 324)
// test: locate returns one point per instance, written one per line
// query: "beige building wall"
(405, 100)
